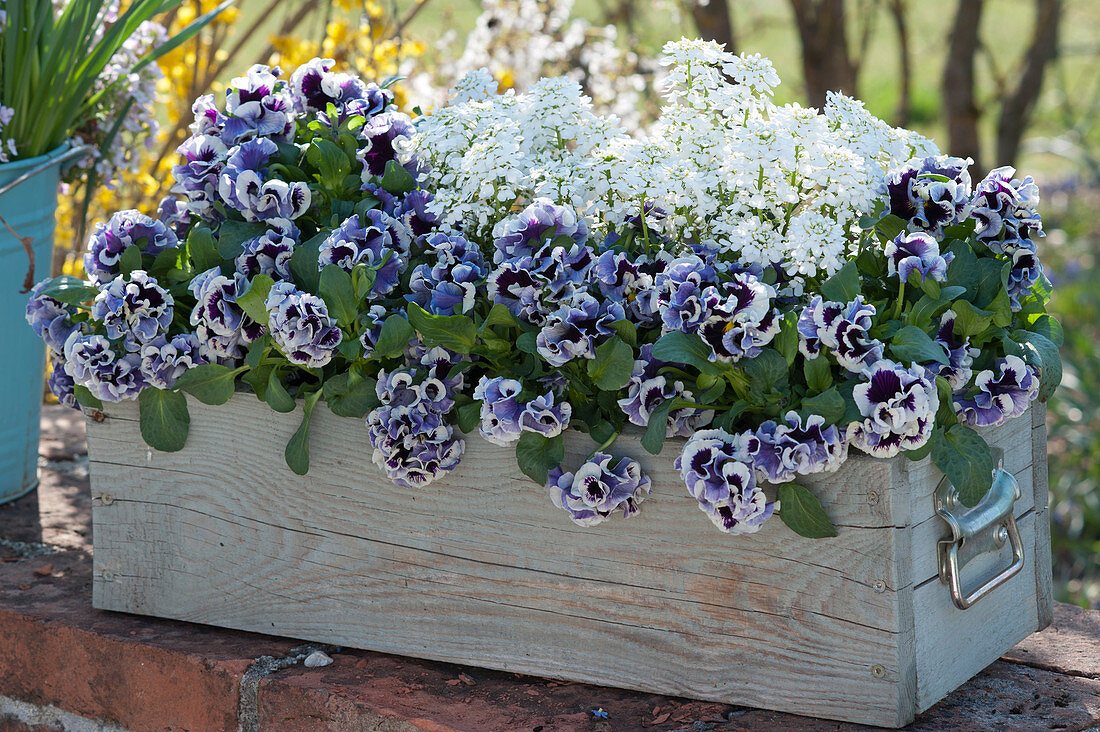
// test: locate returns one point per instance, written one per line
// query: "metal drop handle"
(975, 531)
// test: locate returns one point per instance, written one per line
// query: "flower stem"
(901, 301)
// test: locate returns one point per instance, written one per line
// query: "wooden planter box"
(480, 568)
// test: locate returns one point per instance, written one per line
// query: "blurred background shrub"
(1006, 82)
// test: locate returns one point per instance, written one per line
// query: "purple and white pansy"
(717, 468)
(520, 265)
(301, 326)
(600, 487)
(998, 394)
(917, 252)
(842, 330)
(898, 409)
(799, 447)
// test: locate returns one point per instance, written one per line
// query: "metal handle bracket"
(975, 531)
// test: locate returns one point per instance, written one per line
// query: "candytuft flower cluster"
(772, 287)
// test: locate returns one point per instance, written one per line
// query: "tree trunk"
(1020, 103)
(958, 82)
(905, 63)
(826, 63)
(714, 22)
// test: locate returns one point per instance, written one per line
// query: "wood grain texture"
(951, 644)
(480, 567)
(1044, 587)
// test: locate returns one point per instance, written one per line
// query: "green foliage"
(163, 419)
(611, 368)
(297, 450)
(209, 383)
(802, 512)
(536, 455)
(964, 457)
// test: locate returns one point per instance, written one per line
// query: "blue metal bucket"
(29, 209)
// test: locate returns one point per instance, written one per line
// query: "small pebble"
(316, 659)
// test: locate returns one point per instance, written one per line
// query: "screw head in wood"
(872, 498)
(878, 671)
(879, 586)
(106, 499)
(107, 575)
(98, 416)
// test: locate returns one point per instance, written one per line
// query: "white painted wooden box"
(480, 568)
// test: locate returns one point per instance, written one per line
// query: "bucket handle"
(27, 241)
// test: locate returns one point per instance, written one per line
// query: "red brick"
(143, 673)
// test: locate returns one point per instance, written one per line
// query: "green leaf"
(1049, 327)
(201, 250)
(165, 262)
(348, 398)
(277, 397)
(130, 259)
(210, 383)
(627, 331)
(802, 512)
(254, 300)
(85, 398)
(911, 344)
(1051, 360)
(456, 332)
(331, 161)
(767, 370)
(924, 311)
(233, 234)
(303, 263)
(851, 409)
(951, 292)
(469, 417)
(363, 277)
(819, 373)
(336, 290)
(614, 362)
(963, 270)
(536, 455)
(829, 404)
(844, 285)
(945, 415)
(498, 315)
(297, 450)
(654, 438)
(725, 420)
(964, 457)
(394, 338)
(69, 290)
(163, 419)
(890, 225)
(257, 350)
(990, 281)
(528, 342)
(970, 321)
(679, 347)
(397, 180)
(786, 342)
(257, 379)
(1042, 288)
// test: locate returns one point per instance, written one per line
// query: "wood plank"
(951, 644)
(1044, 585)
(483, 569)
(480, 567)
